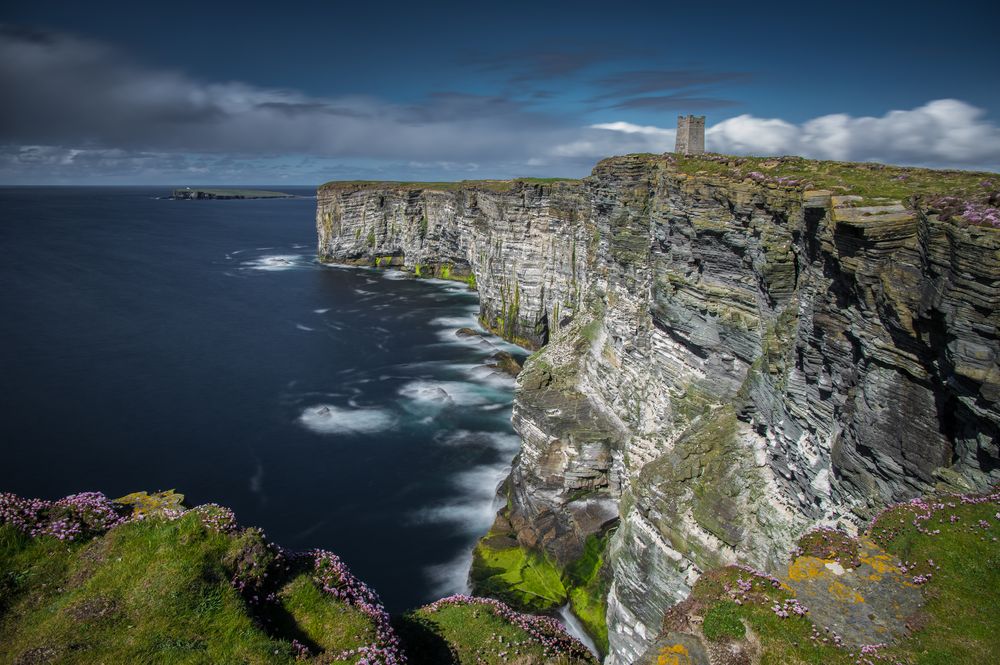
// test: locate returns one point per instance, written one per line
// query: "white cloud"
(944, 132)
(629, 128)
(746, 134)
(73, 92)
(80, 110)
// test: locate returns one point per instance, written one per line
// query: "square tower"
(690, 135)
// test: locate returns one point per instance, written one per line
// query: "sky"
(196, 93)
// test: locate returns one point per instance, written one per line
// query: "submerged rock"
(468, 332)
(506, 363)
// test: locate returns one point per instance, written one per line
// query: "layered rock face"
(522, 244)
(726, 363)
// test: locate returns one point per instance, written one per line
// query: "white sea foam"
(257, 479)
(304, 327)
(330, 419)
(505, 442)
(427, 392)
(443, 393)
(322, 310)
(451, 577)
(275, 262)
(394, 274)
(474, 510)
(457, 322)
(488, 375)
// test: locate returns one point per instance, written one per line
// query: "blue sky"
(301, 92)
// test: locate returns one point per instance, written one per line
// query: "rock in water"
(505, 362)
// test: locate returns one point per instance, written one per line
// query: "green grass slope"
(463, 630)
(143, 579)
(85, 580)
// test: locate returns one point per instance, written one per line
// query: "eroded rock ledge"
(729, 358)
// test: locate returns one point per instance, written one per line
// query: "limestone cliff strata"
(728, 362)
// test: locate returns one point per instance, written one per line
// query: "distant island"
(189, 194)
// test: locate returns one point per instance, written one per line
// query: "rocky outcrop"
(188, 194)
(727, 361)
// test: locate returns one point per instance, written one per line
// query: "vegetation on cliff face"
(970, 195)
(588, 590)
(503, 569)
(531, 581)
(920, 587)
(142, 579)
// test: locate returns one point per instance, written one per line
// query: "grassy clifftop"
(490, 185)
(144, 580)
(972, 196)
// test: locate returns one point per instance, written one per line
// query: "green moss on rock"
(589, 584)
(524, 579)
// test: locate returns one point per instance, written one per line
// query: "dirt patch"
(92, 609)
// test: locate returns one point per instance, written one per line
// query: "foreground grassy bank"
(143, 579)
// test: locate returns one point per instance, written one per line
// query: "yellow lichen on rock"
(878, 560)
(807, 568)
(158, 503)
(844, 593)
(675, 654)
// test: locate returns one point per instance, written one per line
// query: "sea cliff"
(732, 351)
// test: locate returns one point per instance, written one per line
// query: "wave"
(443, 393)
(275, 262)
(330, 419)
(473, 512)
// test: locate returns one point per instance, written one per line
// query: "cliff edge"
(732, 351)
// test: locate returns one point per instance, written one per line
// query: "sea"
(198, 346)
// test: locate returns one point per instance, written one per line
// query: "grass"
(143, 580)
(463, 630)
(868, 180)
(490, 185)
(723, 621)
(961, 624)
(956, 544)
(155, 591)
(330, 626)
(473, 635)
(782, 641)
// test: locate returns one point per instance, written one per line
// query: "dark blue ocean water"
(155, 344)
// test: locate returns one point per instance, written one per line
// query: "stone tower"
(690, 135)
